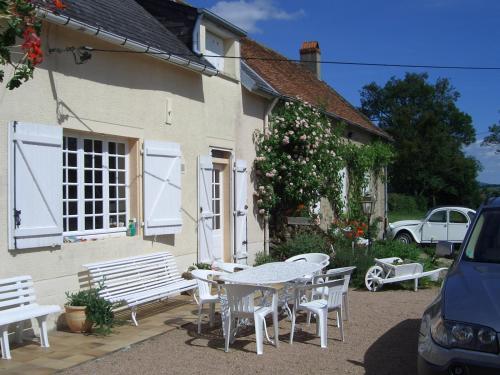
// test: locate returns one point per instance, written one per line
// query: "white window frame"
(106, 231)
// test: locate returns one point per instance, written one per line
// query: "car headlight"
(452, 334)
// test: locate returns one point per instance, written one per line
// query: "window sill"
(76, 237)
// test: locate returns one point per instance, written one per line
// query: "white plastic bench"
(17, 305)
(137, 280)
(385, 272)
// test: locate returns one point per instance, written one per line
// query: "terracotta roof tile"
(293, 80)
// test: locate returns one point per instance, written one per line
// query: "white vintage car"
(439, 224)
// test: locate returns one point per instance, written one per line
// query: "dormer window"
(219, 43)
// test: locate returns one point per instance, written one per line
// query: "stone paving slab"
(70, 349)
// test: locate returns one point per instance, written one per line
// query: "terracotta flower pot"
(76, 319)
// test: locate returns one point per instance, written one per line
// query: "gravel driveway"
(381, 338)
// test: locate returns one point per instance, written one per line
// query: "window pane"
(89, 223)
(121, 163)
(65, 225)
(98, 177)
(457, 217)
(98, 161)
(121, 149)
(88, 161)
(112, 148)
(112, 177)
(87, 145)
(438, 217)
(113, 221)
(72, 192)
(64, 192)
(121, 220)
(64, 159)
(88, 177)
(64, 209)
(65, 172)
(112, 192)
(113, 206)
(98, 192)
(122, 206)
(71, 143)
(121, 177)
(72, 160)
(98, 222)
(72, 176)
(121, 191)
(73, 208)
(88, 192)
(112, 162)
(98, 147)
(98, 207)
(89, 208)
(72, 224)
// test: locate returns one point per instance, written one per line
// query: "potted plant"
(75, 307)
(86, 311)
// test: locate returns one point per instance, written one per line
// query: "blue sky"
(431, 32)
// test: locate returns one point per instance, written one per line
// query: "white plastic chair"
(331, 300)
(229, 267)
(240, 300)
(346, 273)
(205, 293)
(319, 258)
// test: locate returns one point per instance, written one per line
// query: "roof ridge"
(310, 75)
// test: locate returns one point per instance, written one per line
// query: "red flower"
(59, 4)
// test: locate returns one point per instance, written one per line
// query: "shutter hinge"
(15, 126)
(17, 218)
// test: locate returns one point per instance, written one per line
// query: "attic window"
(214, 46)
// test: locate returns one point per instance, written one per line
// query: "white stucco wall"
(122, 95)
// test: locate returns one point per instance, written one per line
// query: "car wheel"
(404, 237)
(372, 274)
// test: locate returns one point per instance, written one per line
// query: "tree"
(493, 139)
(429, 131)
(18, 21)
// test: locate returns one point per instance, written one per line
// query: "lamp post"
(368, 203)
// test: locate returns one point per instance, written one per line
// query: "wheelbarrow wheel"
(373, 272)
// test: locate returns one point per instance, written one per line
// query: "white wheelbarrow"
(385, 272)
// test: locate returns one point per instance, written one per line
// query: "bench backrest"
(134, 274)
(16, 291)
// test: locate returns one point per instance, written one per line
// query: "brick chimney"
(310, 57)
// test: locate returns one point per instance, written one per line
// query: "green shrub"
(99, 311)
(262, 258)
(405, 203)
(302, 243)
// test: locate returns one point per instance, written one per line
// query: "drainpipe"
(266, 217)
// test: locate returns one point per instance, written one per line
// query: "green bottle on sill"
(131, 228)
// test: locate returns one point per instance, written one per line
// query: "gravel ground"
(381, 338)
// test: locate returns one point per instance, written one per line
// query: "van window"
(484, 242)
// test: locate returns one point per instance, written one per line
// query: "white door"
(435, 227)
(240, 209)
(205, 214)
(457, 226)
(218, 212)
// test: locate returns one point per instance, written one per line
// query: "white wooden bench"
(17, 305)
(137, 280)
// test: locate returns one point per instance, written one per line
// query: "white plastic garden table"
(270, 274)
(273, 273)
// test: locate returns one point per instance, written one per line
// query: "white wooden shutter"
(162, 188)
(214, 46)
(205, 224)
(35, 185)
(241, 208)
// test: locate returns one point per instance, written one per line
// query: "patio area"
(379, 340)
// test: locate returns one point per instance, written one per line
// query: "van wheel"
(404, 237)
